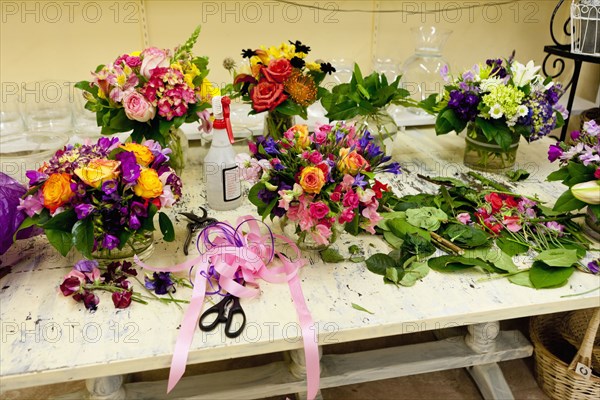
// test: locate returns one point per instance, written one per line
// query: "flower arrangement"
(101, 196)
(501, 100)
(150, 92)
(579, 169)
(279, 80)
(87, 277)
(319, 181)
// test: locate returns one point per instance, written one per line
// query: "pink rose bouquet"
(320, 181)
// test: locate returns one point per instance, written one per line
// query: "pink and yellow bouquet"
(101, 196)
(319, 181)
(150, 92)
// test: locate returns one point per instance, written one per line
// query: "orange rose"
(351, 162)
(148, 185)
(143, 155)
(57, 191)
(312, 180)
(98, 171)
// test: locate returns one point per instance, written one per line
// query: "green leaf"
(63, 221)
(447, 121)
(560, 175)
(417, 245)
(166, 227)
(378, 263)
(253, 196)
(83, 236)
(543, 276)
(500, 260)
(38, 219)
(400, 227)
(521, 279)
(558, 257)
(392, 239)
(332, 256)
(124, 236)
(595, 209)
(511, 247)
(148, 222)
(393, 274)
(415, 272)
(61, 240)
(354, 249)
(289, 107)
(453, 181)
(356, 259)
(465, 235)
(455, 263)
(269, 208)
(517, 175)
(429, 104)
(568, 202)
(359, 308)
(352, 226)
(428, 218)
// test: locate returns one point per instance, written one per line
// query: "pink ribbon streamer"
(233, 253)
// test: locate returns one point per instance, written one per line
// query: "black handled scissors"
(194, 225)
(224, 316)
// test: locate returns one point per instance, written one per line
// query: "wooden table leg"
(297, 366)
(106, 388)
(488, 377)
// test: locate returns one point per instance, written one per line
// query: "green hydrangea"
(505, 101)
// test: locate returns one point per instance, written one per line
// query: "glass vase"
(178, 143)
(481, 154)
(380, 124)
(303, 239)
(421, 73)
(591, 227)
(276, 124)
(140, 244)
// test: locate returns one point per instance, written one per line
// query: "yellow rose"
(351, 162)
(148, 185)
(302, 139)
(57, 191)
(143, 155)
(312, 180)
(98, 171)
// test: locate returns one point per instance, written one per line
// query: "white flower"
(588, 192)
(488, 84)
(522, 110)
(523, 74)
(496, 111)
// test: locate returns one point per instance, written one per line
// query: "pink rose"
(351, 200)
(318, 210)
(137, 107)
(153, 57)
(315, 157)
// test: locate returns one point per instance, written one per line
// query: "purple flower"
(575, 135)
(161, 283)
(364, 141)
(70, 285)
(90, 300)
(83, 210)
(134, 222)
(464, 104)
(339, 135)
(373, 150)
(122, 299)
(359, 180)
(593, 267)
(139, 209)
(266, 196)
(110, 242)
(109, 186)
(86, 265)
(278, 212)
(35, 177)
(393, 168)
(270, 146)
(129, 166)
(106, 145)
(554, 152)
(556, 227)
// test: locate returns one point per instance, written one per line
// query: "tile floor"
(447, 385)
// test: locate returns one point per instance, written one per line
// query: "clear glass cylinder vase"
(140, 244)
(178, 143)
(591, 226)
(421, 73)
(304, 239)
(381, 124)
(276, 124)
(481, 154)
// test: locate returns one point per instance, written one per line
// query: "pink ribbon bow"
(233, 254)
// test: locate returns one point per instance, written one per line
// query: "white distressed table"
(47, 338)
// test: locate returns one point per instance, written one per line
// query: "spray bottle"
(221, 172)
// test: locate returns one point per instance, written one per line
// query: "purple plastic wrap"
(11, 218)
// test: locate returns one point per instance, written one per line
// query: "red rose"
(267, 95)
(278, 70)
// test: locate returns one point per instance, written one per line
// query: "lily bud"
(588, 192)
(89, 97)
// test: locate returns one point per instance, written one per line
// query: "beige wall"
(65, 40)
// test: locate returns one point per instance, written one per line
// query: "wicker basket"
(554, 375)
(573, 328)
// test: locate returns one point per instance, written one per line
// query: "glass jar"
(303, 239)
(591, 226)
(178, 143)
(380, 124)
(140, 244)
(484, 155)
(421, 73)
(276, 124)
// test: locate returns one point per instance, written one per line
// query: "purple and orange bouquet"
(100, 196)
(579, 163)
(501, 99)
(319, 181)
(150, 92)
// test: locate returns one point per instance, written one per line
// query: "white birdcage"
(585, 27)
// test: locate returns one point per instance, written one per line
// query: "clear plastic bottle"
(221, 172)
